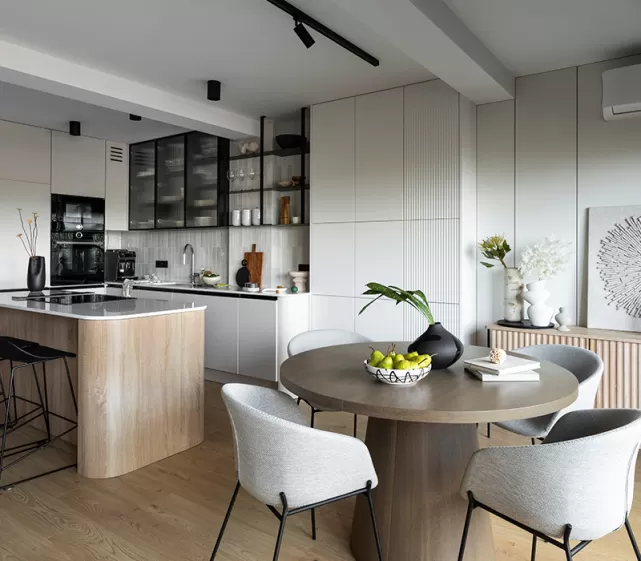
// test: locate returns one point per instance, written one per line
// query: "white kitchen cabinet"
(332, 164)
(378, 254)
(116, 291)
(332, 312)
(221, 327)
(378, 153)
(77, 165)
(332, 253)
(25, 153)
(257, 353)
(117, 186)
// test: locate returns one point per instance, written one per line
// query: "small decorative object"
(36, 267)
(295, 220)
(497, 356)
(296, 180)
(284, 210)
(496, 248)
(256, 217)
(210, 278)
(300, 280)
(437, 342)
(614, 262)
(285, 184)
(235, 217)
(294, 289)
(246, 217)
(547, 258)
(397, 369)
(253, 147)
(290, 141)
(563, 319)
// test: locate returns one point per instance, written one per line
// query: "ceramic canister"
(235, 217)
(246, 217)
(256, 217)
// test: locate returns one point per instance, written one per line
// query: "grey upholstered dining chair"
(317, 339)
(585, 365)
(283, 463)
(577, 485)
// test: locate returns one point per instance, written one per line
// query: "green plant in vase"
(495, 248)
(444, 348)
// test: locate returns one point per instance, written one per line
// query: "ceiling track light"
(74, 128)
(213, 90)
(302, 20)
(133, 117)
(303, 34)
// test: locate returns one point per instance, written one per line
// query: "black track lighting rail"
(302, 17)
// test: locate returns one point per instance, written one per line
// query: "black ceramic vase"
(36, 274)
(438, 342)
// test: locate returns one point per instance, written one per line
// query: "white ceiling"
(248, 45)
(40, 109)
(531, 36)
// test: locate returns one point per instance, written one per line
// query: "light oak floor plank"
(172, 511)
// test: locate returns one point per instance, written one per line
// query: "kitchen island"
(138, 375)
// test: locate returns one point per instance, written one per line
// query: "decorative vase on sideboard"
(513, 297)
(36, 273)
(539, 313)
(439, 343)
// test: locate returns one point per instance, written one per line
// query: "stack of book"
(512, 369)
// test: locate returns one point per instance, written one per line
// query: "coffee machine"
(120, 264)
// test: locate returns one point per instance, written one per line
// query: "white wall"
(394, 201)
(543, 160)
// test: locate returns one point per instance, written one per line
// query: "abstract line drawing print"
(619, 265)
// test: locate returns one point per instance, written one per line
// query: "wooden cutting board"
(255, 265)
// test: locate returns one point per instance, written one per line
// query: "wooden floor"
(172, 511)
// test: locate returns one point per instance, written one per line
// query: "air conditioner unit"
(622, 93)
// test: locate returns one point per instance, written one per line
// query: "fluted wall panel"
(431, 152)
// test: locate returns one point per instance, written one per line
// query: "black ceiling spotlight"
(303, 34)
(74, 128)
(213, 90)
(133, 117)
(301, 18)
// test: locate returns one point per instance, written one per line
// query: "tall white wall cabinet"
(394, 201)
(116, 186)
(543, 160)
(78, 165)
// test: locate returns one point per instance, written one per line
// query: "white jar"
(256, 217)
(235, 217)
(246, 217)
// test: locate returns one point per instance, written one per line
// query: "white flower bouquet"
(547, 259)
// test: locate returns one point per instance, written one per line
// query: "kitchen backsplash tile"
(220, 250)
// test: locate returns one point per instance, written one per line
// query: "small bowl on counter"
(211, 281)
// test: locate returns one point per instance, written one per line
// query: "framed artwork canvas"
(614, 268)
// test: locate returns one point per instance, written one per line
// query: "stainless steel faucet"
(192, 274)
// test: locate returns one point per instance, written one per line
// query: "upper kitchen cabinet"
(77, 165)
(170, 182)
(378, 153)
(142, 186)
(25, 153)
(332, 165)
(117, 187)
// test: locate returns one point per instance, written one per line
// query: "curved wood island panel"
(139, 377)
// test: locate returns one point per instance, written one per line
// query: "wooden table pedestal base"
(419, 509)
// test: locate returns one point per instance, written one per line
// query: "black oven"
(77, 240)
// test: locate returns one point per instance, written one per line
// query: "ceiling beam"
(430, 33)
(40, 71)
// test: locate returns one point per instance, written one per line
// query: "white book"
(511, 365)
(524, 376)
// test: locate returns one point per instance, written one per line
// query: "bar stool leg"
(73, 394)
(6, 421)
(15, 401)
(42, 402)
(46, 386)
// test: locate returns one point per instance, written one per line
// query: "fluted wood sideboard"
(620, 351)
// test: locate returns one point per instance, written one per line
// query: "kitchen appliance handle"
(100, 244)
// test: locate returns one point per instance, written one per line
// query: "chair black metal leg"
(73, 393)
(466, 527)
(533, 557)
(3, 395)
(45, 409)
(533, 441)
(6, 422)
(15, 401)
(281, 528)
(566, 542)
(313, 523)
(298, 401)
(488, 430)
(632, 539)
(222, 528)
(355, 425)
(373, 517)
(311, 424)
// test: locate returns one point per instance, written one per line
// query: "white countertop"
(117, 309)
(171, 286)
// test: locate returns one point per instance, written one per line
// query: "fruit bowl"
(211, 281)
(397, 377)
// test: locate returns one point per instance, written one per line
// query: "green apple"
(375, 358)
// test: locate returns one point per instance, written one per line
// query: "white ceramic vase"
(538, 312)
(513, 296)
(563, 319)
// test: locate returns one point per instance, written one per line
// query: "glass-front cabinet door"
(142, 186)
(202, 180)
(170, 183)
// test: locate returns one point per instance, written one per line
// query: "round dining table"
(421, 439)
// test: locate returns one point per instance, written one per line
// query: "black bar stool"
(23, 354)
